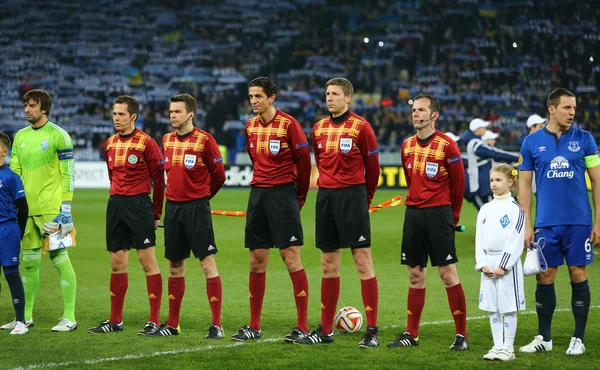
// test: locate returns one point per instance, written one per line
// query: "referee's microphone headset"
(426, 120)
(189, 118)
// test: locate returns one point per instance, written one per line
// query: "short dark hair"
(191, 105)
(554, 97)
(5, 140)
(39, 96)
(266, 83)
(344, 83)
(433, 102)
(133, 106)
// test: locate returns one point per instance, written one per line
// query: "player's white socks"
(496, 324)
(510, 329)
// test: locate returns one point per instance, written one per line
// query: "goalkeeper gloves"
(62, 222)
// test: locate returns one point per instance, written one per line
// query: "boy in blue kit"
(13, 217)
(559, 155)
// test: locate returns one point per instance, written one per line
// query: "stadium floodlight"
(514, 45)
(380, 43)
(366, 40)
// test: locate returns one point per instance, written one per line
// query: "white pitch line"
(199, 349)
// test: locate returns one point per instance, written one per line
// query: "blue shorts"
(10, 244)
(567, 242)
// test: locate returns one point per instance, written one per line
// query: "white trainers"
(65, 325)
(538, 344)
(491, 355)
(576, 347)
(504, 354)
(11, 325)
(20, 328)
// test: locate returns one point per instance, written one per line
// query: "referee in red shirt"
(435, 176)
(347, 158)
(134, 163)
(279, 151)
(195, 174)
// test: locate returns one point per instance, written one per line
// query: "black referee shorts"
(129, 223)
(188, 227)
(428, 233)
(342, 218)
(273, 218)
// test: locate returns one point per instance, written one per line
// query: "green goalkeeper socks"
(68, 285)
(31, 278)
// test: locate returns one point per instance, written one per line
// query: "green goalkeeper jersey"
(43, 157)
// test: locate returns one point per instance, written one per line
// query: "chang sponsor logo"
(559, 168)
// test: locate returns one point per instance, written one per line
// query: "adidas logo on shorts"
(448, 258)
(147, 241)
(361, 239)
(211, 248)
(293, 239)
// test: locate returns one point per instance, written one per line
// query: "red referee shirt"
(194, 165)
(434, 173)
(346, 154)
(134, 162)
(279, 151)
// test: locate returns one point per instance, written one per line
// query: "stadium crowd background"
(497, 60)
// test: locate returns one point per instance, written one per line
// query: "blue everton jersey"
(11, 189)
(559, 165)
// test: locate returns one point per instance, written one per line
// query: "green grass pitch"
(41, 348)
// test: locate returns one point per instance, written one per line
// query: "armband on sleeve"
(591, 161)
(65, 155)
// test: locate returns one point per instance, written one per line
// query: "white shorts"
(505, 294)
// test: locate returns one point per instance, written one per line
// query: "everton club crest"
(574, 146)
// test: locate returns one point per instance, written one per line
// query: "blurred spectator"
(498, 63)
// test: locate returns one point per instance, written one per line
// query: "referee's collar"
(128, 135)
(339, 119)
